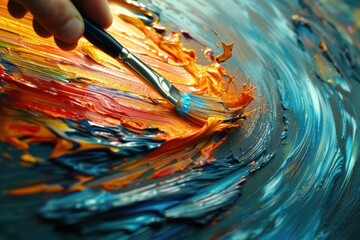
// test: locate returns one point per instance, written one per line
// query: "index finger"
(59, 17)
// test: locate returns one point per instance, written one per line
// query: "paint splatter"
(113, 159)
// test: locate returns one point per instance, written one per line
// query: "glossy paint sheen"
(123, 165)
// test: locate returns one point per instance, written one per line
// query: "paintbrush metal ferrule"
(186, 104)
(155, 80)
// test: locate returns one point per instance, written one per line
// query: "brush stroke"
(290, 170)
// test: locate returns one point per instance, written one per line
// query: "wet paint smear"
(89, 151)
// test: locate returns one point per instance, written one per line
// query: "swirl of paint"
(298, 150)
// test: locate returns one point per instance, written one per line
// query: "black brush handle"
(101, 39)
(105, 42)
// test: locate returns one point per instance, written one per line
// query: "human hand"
(61, 18)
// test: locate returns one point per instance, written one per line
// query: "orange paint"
(176, 167)
(36, 189)
(52, 85)
(27, 157)
(227, 50)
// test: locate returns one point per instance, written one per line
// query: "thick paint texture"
(94, 108)
(88, 148)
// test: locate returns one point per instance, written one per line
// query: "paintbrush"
(194, 107)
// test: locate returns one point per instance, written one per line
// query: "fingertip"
(71, 31)
(16, 10)
(107, 21)
(96, 10)
(59, 18)
(40, 30)
(106, 18)
(64, 45)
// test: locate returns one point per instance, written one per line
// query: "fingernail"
(71, 31)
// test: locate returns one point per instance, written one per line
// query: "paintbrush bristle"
(204, 107)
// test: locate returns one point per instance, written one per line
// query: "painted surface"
(87, 148)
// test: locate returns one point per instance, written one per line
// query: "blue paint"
(184, 104)
(299, 151)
